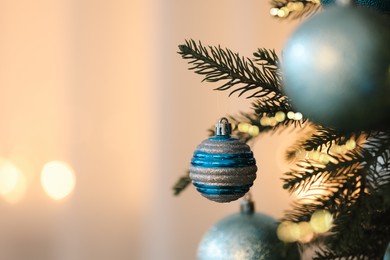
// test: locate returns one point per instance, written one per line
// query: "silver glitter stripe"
(223, 147)
(224, 176)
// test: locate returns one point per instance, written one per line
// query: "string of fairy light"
(320, 222)
(253, 130)
(284, 12)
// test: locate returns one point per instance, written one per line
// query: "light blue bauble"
(223, 168)
(381, 5)
(336, 68)
(245, 236)
(387, 254)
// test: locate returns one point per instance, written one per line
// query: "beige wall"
(99, 85)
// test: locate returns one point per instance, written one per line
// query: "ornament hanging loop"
(223, 127)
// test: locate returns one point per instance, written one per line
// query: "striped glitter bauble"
(223, 168)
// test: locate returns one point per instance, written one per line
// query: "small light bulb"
(290, 115)
(314, 155)
(288, 232)
(253, 130)
(280, 116)
(243, 127)
(306, 233)
(273, 121)
(274, 11)
(283, 12)
(350, 144)
(321, 221)
(298, 6)
(298, 116)
(324, 158)
(290, 6)
(265, 121)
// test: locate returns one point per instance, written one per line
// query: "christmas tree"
(346, 165)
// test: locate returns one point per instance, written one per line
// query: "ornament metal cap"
(223, 127)
(247, 206)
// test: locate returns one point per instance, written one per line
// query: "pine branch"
(358, 232)
(353, 189)
(311, 171)
(181, 184)
(322, 139)
(240, 75)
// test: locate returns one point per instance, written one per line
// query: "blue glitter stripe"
(221, 190)
(206, 160)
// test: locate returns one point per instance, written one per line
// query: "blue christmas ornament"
(222, 167)
(381, 5)
(245, 235)
(387, 254)
(336, 68)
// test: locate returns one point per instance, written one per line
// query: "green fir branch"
(240, 75)
(323, 137)
(358, 231)
(354, 194)
(181, 184)
(311, 171)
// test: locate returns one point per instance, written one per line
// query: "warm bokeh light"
(265, 121)
(306, 233)
(274, 11)
(243, 127)
(280, 116)
(350, 144)
(298, 116)
(253, 130)
(290, 115)
(13, 183)
(283, 12)
(288, 231)
(58, 179)
(321, 221)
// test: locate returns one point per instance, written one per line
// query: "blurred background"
(100, 116)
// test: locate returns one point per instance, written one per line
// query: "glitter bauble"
(245, 235)
(381, 5)
(222, 167)
(336, 68)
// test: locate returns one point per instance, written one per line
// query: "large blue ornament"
(336, 68)
(222, 167)
(246, 235)
(387, 254)
(381, 5)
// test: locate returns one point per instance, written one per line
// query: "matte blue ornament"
(387, 254)
(336, 68)
(245, 235)
(381, 5)
(223, 168)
